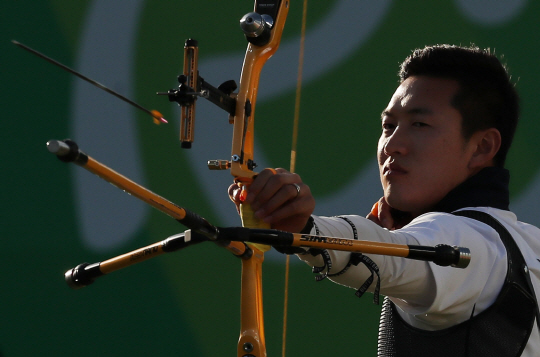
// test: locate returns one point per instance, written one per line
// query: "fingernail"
(242, 196)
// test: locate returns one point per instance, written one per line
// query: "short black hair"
(486, 98)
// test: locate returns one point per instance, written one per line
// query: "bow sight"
(257, 28)
(192, 86)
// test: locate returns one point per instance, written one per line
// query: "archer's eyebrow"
(411, 111)
(385, 113)
(419, 110)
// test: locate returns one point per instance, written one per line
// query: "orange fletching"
(158, 117)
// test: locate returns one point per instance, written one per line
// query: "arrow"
(158, 117)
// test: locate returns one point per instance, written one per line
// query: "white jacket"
(429, 296)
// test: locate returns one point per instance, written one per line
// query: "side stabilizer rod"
(85, 274)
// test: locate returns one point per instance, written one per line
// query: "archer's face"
(422, 154)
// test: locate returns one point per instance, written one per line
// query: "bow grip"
(249, 220)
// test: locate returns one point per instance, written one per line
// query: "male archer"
(445, 135)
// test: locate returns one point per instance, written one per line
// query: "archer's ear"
(486, 145)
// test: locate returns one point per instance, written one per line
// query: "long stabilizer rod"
(444, 255)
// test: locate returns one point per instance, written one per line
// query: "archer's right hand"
(388, 217)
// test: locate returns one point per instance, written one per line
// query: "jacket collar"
(488, 188)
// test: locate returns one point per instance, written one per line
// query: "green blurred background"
(55, 216)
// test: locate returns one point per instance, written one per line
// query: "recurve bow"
(263, 29)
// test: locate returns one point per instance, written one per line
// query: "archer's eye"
(388, 127)
(419, 124)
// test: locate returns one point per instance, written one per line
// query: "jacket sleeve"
(419, 287)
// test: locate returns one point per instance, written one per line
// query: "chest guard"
(501, 330)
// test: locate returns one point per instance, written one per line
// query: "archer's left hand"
(279, 198)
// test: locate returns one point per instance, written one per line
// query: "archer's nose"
(396, 144)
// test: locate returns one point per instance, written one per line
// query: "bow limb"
(252, 340)
(243, 131)
(242, 154)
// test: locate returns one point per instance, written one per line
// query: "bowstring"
(292, 167)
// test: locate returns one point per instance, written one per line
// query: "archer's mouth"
(394, 169)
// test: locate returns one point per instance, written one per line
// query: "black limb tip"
(185, 145)
(191, 43)
(82, 275)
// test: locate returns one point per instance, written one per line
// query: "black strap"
(529, 282)
(353, 255)
(327, 263)
(511, 246)
(354, 259)
(357, 258)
